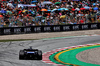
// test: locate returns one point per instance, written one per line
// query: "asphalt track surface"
(9, 51)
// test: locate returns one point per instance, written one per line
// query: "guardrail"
(48, 28)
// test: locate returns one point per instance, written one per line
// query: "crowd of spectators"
(32, 13)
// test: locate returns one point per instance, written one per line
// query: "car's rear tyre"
(21, 55)
(39, 55)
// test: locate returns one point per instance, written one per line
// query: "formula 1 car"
(30, 54)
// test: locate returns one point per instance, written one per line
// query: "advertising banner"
(48, 28)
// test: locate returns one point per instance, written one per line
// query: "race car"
(30, 54)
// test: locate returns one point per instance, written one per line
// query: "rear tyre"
(21, 55)
(39, 55)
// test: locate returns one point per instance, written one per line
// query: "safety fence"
(66, 19)
(52, 20)
(46, 28)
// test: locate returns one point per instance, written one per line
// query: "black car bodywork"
(30, 54)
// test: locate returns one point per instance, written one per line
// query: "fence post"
(96, 18)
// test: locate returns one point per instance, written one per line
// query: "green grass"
(17, 40)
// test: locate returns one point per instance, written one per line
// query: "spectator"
(23, 13)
